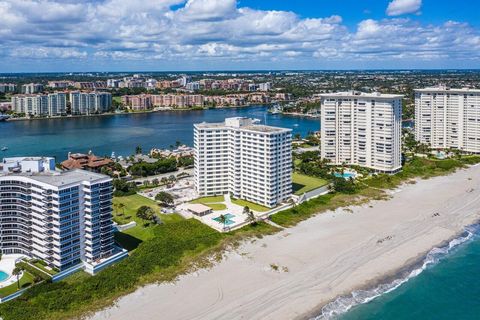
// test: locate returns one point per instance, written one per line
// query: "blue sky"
(170, 35)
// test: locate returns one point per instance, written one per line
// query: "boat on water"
(4, 148)
(275, 109)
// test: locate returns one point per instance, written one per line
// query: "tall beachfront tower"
(248, 160)
(62, 218)
(362, 129)
(448, 118)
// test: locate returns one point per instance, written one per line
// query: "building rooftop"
(60, 178)
(85, 161)
(68, 177)
(447, 89)
(352, 94)
(242, 123)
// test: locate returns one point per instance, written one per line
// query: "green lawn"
(216, 206)
(42, 266)
(206, 200)
(212, 202)
(25, 281)
(303, 183)
(177, 246)
(144, 230)
(251, 205)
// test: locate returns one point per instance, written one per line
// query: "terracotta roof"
(85, 161)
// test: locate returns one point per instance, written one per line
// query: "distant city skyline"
(203, 35)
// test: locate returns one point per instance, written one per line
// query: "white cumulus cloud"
(217, 32)
(399, 7)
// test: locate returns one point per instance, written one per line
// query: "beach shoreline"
(320, 259)
(402, 274)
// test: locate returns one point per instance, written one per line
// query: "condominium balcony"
(47, 192)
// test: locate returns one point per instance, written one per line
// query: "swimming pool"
(346, 175)
(228, 220)
(3, 276)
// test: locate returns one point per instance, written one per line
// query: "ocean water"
(445, 286)
(122, 133)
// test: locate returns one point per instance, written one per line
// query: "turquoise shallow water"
(3, 276)
(446, 286)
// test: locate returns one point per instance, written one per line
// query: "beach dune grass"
(176, 248)
(302, 183)
(178, 245)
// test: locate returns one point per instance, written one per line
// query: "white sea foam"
(345, 303)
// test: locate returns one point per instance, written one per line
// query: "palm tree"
(115, 208)
(292, 202)
(17, 271)
(223, 220)
(138, 150)
(121, 206)
(251, 218)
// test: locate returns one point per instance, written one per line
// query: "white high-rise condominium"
(248, 160)
(448, 118)
(62, 218)
(57, 104)
(53, 104)
(90, 102)
(362, 129)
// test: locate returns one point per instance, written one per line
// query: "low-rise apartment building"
(148, 101)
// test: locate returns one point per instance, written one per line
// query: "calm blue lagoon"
(122, 133)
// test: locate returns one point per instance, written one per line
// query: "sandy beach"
(296, 271)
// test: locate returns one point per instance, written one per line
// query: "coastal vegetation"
(175, 248)
(348, 192)
(162, 252)
(145, 169)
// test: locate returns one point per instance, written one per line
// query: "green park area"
(215, 202)
(303, 183)
(251, 205)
